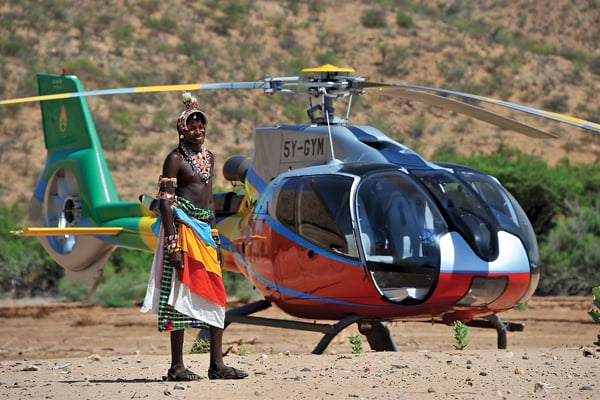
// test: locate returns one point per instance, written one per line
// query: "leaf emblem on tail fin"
(62, 122)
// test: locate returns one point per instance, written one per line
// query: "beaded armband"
(162, 188)
(163, 180)
(171, 243)
(215, 236)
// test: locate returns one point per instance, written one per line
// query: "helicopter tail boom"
(75, 188)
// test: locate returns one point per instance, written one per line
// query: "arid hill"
(540, 53)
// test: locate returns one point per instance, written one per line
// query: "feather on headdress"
(191, 112)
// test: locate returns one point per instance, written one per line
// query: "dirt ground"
(77, 351)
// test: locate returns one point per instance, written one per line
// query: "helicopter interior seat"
(351, 244)
(403, 228)
(405, 276)
(323, 237)
(367, 237)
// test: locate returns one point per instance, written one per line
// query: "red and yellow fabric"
(201, 271)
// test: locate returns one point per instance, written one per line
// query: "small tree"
(595, 312)
(461, 332)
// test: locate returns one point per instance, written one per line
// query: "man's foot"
(226, 373)
(184, 375)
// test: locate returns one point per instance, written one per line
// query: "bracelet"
(171, 242)
(215, 236)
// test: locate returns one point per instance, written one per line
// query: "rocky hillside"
(544, 54)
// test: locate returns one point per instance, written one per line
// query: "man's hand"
(176, 260)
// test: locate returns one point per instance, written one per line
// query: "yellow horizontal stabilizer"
(67, 231)
(327, 68)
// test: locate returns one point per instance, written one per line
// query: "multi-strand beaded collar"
(199, 161)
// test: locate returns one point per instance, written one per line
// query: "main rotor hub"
(332, 81)
(329, 82)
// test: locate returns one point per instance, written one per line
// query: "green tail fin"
(71, 139)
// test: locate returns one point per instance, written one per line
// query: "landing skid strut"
(377, 333)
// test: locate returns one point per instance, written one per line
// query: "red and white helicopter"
(337, 221)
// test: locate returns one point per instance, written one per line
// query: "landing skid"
(494, 321)
(377, 333)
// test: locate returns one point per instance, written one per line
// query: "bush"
(373, 19)
(26, 270)
(570, 256)
(404, 20)
(594, 65)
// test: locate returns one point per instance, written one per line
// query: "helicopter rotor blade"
(443, 93)
(415, 93)
(269, 85)
(566, 119)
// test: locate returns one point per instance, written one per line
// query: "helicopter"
(336, 221)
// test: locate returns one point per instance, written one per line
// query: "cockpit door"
(400, 227)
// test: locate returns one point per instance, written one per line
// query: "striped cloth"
(194, 297)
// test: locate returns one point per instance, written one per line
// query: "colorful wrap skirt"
(195, 296)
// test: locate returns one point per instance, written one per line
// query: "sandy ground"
(75, 351)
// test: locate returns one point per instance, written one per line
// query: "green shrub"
(373, 19)
(356, 342)
(570, 256)
(594, 65)
(557, 103)
(461, 331)
(404, 20)
(595, 311)
(26, 270)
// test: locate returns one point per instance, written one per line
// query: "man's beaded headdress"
(191, 112)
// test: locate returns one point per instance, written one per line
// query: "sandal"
(226, 373)
(184, 376)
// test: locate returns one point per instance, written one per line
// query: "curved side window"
(318, 209)
(323, 213)
(285, 204)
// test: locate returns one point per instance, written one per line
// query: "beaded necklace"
(199, 161)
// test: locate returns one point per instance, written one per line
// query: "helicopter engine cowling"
(236, 168)
(82, 257)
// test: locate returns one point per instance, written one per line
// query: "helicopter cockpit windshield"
(400, 227)
(478, 207)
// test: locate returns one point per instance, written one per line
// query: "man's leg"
(216, 348)
(218, 369)
(178, 371)
(177, 351)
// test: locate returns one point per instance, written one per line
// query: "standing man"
(185, 287)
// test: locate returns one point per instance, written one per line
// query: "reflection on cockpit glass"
(324, 214)
(396, 220)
